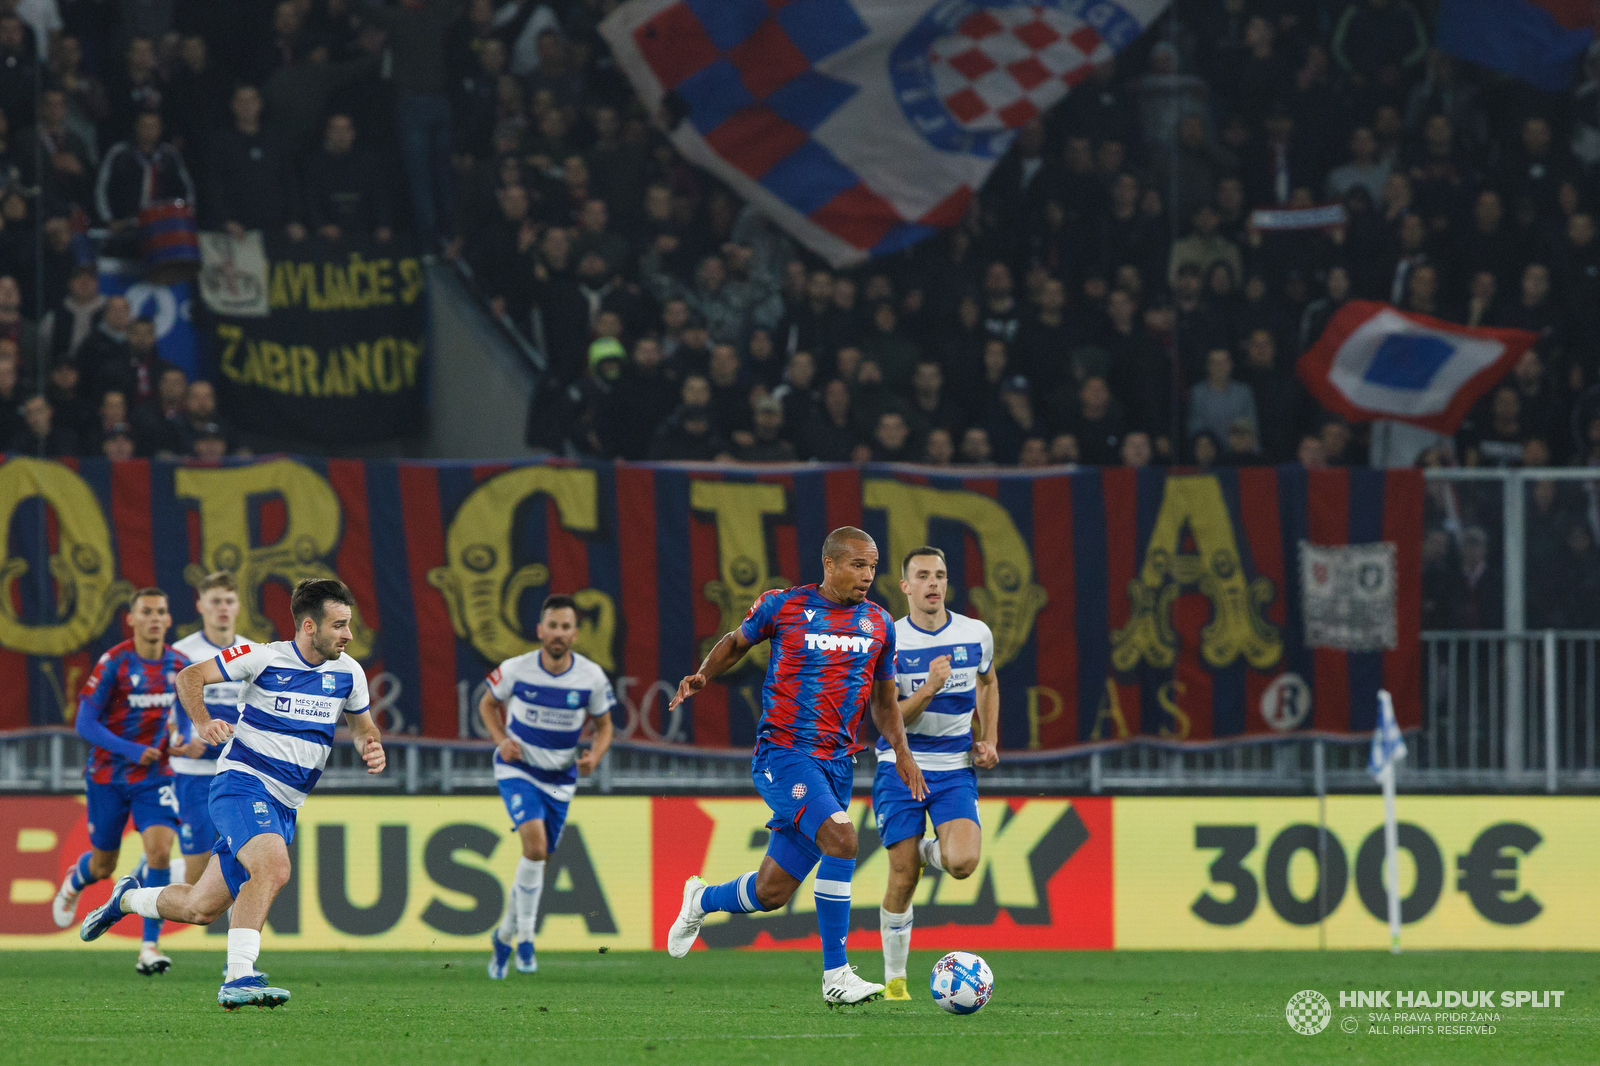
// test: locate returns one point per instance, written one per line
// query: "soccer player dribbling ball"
(293, 694)
(832, 653)
(535, 709)
(123, 714)
(945, 665)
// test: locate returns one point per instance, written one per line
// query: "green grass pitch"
(747, 1007)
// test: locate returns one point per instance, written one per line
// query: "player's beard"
(328, 649)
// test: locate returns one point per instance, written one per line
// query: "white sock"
(243, 947)
(929, 850)
(896, 930)
(529, 887)
(508, 920)
(142, 901)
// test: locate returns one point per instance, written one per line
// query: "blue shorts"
(525, 802)
(952, 794)
(150, 802)
(803, 792)
(197, 833)
(242, 808)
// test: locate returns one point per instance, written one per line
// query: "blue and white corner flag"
(860, 126)
(1376, 362)
(1388, 746)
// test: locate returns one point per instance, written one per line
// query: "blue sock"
(833, 907)
(736, 897)
(80, 876)
(155, 879)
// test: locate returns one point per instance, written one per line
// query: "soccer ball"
(961, 982)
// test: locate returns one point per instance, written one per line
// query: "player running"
(832, 652)
(535, 710)
(123, 713)
(193, 761)
(944, 661)
(293, 693)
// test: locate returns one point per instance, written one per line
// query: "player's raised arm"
(912, 706)
(191, 685)
(886, 716)
(724, 657)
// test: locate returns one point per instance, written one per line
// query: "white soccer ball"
(961, 982)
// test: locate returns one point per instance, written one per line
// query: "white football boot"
(64, 908)
(681, 937)
(840, 985)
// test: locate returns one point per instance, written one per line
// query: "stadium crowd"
(1107, 298)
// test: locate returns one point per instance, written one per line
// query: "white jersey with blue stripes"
(545, 714)
(941, 738)
(222, 702)
(288, 710)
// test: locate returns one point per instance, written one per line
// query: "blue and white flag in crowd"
(860, 126)
(1539, 41)
(169, 306)
(1375, 362)
(1388, 746)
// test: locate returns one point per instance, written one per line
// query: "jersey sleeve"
(986, 641)
(602, 699)
(500, 683)
(360, 700)
(243, 662)
(761, 623)
(97, 692)
(884, 671)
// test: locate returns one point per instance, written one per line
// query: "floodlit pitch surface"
(764, 1007)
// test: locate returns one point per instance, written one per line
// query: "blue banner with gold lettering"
(1181, 607)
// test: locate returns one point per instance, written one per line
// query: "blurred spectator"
(1215, 402)
(67, 325)
(41, 435)
(688, 435)
(415, 35)
(342, 192)
(767, 444)
(160, 422)
(117, 443)
(140, 172)
(55, 157)
(249, 182)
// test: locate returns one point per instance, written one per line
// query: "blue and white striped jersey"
(288, 710)
(222, 703)
(941, 739)
(545, 713)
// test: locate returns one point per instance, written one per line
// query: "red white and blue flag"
(860, 126)
(1539, 41)
(1375, 362)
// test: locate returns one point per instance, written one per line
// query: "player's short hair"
(146, 593)
(834, 546)
(926, 549)
(312, 596)
(556, 603)
(218, 579)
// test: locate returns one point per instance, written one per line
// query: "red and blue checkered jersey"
(824, 658)
(133, 698)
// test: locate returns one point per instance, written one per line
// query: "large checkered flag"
(860, 126)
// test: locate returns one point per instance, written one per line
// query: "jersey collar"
(949, 616)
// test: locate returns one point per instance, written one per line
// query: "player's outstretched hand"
(150, 756)
(373, 756)
(510, 750)
(911, 774)
(215, 731)
(984, 755)
(686, 688)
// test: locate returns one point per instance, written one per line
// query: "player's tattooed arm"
(191, 686)
(912, 706)
(369, 741)
(724, 657)
(493, 713)
(886, 716)
(986, 723)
